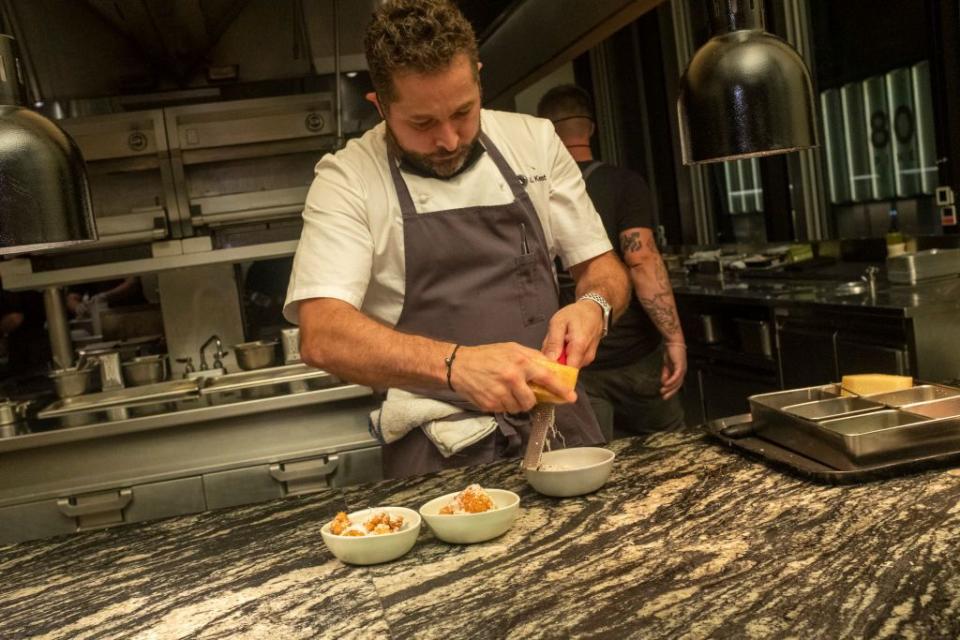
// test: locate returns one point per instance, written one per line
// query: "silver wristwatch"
(604, 306)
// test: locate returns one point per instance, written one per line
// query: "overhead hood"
(174, 34)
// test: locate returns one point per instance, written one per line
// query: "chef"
(426, 257)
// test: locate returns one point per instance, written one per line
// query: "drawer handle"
(90, 505)
(292, 471)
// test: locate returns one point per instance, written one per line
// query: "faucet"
(870, 277)
(220, 353)
(720, 272)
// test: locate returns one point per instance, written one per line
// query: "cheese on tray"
(869, 383)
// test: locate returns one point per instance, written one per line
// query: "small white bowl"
(581, 470)
(467, 528)
(374, 549)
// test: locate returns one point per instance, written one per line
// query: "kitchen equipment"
(754, 336)
(833, 408)
(848, 432)
(290, 374)
(46, 197)
(11, 413)
(784, 459)
(74, 381)
(702, 328)
(145, 370)
(571, 472)
(123, 397)
(911, 268)
(467, 528)
(290, 343)
(919, 394)
(374, 549)
(256, 355)
(542, 416)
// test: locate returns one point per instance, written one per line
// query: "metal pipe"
(336, 72)
(13, 23)
(57, 328)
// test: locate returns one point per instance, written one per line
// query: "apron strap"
(505, 170)
(407, 208)
(593, 166)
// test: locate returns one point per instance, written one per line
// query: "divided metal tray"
(847, 433)
(735, 432)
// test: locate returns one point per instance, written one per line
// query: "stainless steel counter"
(892, 300)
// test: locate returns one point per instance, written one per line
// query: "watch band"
(605, 308)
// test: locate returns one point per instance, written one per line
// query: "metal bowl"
(72, 381)
(145, 370)
(256, 355)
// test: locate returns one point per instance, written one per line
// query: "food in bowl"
(370, 547)
(571, 472)
(469, 527)
(380, 523)
(473, 499)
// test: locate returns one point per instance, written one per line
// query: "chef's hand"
(579, 326)
(674, 368)
(497, 377)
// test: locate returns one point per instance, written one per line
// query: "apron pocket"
(531, 296)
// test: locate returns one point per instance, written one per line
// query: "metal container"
(290, 342)
(145, 370)
(833, 408)
(911, 268)
(943, 408)
(755, 337)
(256, 355)
(761, 403)
(920, 393)
(72, 381)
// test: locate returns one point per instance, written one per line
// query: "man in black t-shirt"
(641, 363)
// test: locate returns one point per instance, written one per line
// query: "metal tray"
(821, 430)
(265, 377)
(804, 467)
(171, 391)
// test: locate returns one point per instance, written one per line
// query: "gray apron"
(474, 276)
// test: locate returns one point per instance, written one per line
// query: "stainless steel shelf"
(18, 275)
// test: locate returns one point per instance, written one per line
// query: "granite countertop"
(688, 539)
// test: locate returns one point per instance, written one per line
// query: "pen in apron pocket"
(524, 248)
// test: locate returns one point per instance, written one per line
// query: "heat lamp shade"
(746, 93)
(44, 193)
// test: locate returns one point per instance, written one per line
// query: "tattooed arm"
(652, 286)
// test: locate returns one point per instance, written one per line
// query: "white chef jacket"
(351, 247)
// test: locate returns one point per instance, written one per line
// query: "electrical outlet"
(944, 196)
(948, 216)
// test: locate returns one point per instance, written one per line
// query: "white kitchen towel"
(449, 428)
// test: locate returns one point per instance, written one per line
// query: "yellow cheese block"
(867, 383)
(568, 378)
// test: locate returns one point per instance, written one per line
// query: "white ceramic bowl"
(576, 471)
(374, 549)
(468, 528)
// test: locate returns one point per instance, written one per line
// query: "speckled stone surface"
(687, 540)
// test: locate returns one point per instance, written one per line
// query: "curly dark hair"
(422, 36)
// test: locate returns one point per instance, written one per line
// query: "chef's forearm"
(652, 285)
(607, 276)
(335, 337)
